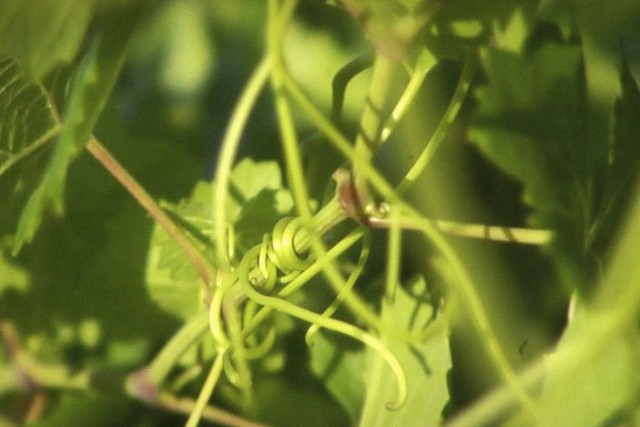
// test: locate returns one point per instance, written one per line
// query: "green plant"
(332, 296)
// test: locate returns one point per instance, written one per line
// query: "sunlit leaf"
(425, 364)
(599, 389)
(340, 369)
(460, 24)
(172, 280)
(623, 160)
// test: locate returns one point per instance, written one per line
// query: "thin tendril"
(304, 277)
(279, 20)
(425, 63)
(239, 356)
(439, 135)
(394, 250)
(228, 150)
(346, 290)
(216, 318)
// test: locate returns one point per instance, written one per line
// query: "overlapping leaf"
(13, 276)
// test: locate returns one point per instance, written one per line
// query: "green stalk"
(368, 139)
(278, 20)
(430, 233)
(159, 368)
(438, 137)
(206, 391)
(292, 154)
(228, 150)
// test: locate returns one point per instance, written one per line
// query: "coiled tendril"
(275, 261)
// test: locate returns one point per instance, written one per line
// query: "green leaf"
(259, 215)
(88, 93)
(26, 117)
(425, 364)
(250, 178)
(606, 28)
(42, 34)
(532, 121)
(172, 281)
(340, 369)
(529, 121)
(600, 387)
(256, 203)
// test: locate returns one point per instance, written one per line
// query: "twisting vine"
(244, 293)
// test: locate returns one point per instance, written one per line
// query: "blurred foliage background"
(76, 293)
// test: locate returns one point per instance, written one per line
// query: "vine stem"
(430, 233)
(426, 62)
(278, 20)
(197, 258)
(371, 123)
(186, 337)
(355, 305)
(206, 391)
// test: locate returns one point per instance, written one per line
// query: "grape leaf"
(532, 121)
(41, 34)
(256, 203)
(609, 31)
(171, 279)
(529, 122)
(88, 94)
(606, 28)
(425, 364)
(26, 117)
(599, 387)
(340, 369)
